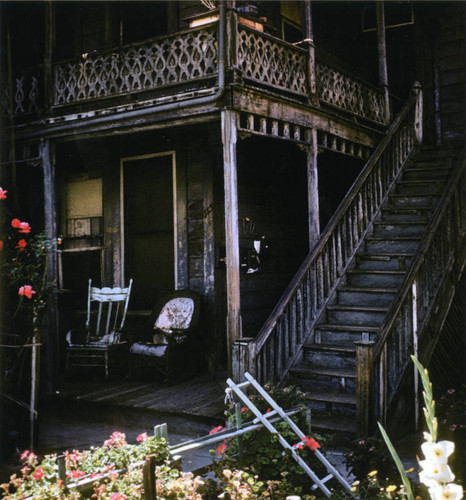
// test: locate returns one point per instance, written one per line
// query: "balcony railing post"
(243, 358)
(364, 360)
(232, 37)
(381, 44)
(417, 91)
(311, 63)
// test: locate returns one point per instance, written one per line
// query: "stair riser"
(393, 264)
(421, 174)
(324, 359)
(334, 409)
(379, 299)
(412, 201)
(419, 188)
(375, 280)
(392, 246)
(388, 230)
(393, 216)
(338, 337)
(343, 317)
(327, 384)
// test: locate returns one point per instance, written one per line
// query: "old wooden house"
(299, 164)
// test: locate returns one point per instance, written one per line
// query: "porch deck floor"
(200, 398)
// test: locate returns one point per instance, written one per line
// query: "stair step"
(409, 228)
(329, 397)
(308, 370)
(378, 278)
(405, 214)
(422, 173)
(332, 424)
(356, 314)
(325, 355)
(412, 201)
(384, 261)
(394, 244)
(341, 349)
(419, 187)
(353, 295)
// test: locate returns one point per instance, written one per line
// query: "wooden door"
(149, 228)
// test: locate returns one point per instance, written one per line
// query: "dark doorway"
(148, 228)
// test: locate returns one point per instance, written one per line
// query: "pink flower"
(26, 290)
(24, 227)
(21, 245)
(76, 474)
(118, 496)
(15, 223)
(142, 437)
(24, 455)
(38, 473)
(3, 193)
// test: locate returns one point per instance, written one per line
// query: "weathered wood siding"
(272, 192)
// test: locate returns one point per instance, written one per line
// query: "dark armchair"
(170, 342)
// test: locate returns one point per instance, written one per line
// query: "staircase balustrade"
(408, 327)
(278, 345)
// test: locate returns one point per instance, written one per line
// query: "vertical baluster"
(320, 282)
(339, 255)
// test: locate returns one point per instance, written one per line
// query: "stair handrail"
(413, 304)
(353, 219)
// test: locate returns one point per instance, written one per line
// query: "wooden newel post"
(417, 91)
(243, 358)
(364, 360)
(148, 478)
(309, 43)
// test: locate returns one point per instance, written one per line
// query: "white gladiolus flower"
(448, 491)
(435, 471)
(438, 451)
(427, 437)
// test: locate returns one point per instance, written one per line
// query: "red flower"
(216, 429)
(38, 473)
(26, 290)
(1, 245)
(24, 227)
(310, 443)
(21, 245)
(15, 223)
(3, 193)
(221, 449)
(142, 437)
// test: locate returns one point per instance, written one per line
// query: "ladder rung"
(323, 481)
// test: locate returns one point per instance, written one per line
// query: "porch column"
(382, 51)
(231, 231)
(312, 187)
(50, 215)
(309, 42)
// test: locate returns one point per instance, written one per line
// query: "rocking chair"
(173, 345)
(101, 339)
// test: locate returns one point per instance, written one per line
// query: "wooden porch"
(188, 404)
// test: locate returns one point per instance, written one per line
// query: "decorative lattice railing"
(270, 61)
(183, 57)
(21, 96)
(343, 91)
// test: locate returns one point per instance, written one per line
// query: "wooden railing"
(180, 58)
(21, 95)
(408, 328)
(279, 343)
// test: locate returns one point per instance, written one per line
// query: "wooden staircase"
(359, 305)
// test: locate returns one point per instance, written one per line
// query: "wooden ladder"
(264, 419)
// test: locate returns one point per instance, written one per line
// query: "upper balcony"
(186, 64)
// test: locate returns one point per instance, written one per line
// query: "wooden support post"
(62, 469)
(364, 360)
(417, 91)
(382, 50)
(312, 187)
(148, 478)
(243, 358)
(231, 231)
(309, 42)
(50, 215)
(48, 54)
